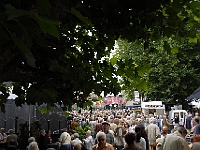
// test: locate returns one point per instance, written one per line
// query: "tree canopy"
(168, 77)
(57, 49)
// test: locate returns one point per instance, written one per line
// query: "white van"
(182, 115)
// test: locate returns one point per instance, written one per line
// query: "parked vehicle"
(178, 116)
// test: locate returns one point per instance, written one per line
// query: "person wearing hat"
(109, 135)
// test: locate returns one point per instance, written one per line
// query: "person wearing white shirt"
(76, 139)
(88, 142)
(132, 127)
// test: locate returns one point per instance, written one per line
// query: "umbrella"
(195, 94)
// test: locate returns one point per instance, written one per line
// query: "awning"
(195, 94)
(134, 106)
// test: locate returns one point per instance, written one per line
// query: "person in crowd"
(197, 126)
(78, 147)
(82, 122)
(176, 140)
(144, 135)
(102, 144)
(196, 116)
(126, 127)
(71, 133)
(12, 145)
(174, 129)
(159, 122)
(92, 123)
(88, 142)
(146, 124)
(119, 137)
(42, 142)
(164, 131)
(74, 123)
(113, 126)
(33, 146)
(49, 138)
(160, 141)
(176, 119)
(166, 122)
(191, 142)
(130, 142)
(31, 139)
(140, 141)
(153, 133)
(76, 139)
(196, 143)
(98, 126)
(65, 141)
(109, 135)
(3, 135)
(132, 127)
(189, 123)
(11, 136)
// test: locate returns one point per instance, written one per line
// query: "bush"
(81, 130)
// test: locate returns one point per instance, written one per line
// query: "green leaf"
(25, 51)
(66, 113)
(195, 4)
(13, 12)
(196, 18)
(144, 69)
(47, 26)
(193, 40)
(113, 60)
(80, 16)
(174, 50)
(43, 109)
(88, 103)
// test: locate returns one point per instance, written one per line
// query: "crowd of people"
(122, 130)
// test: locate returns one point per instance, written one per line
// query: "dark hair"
(71, 131)
(13, 142)
(138, 133)
(127, 124)
(196, 120)
(130, 138)
(182, 130)
(144, 134)
(143, 131)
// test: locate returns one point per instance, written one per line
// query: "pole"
(5, 125)
(59, 127)
(48, 124)
(29, 121)
(16, 121)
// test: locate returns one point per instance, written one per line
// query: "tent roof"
(195, 94)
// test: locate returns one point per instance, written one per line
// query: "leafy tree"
(53, 50)
(172, 76)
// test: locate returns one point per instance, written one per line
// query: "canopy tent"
(195, 94)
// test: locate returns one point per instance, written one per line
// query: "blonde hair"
(33, 146)
(101, 134)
